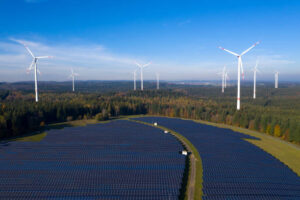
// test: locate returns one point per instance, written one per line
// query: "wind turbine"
(223, 74)
(157, 81)
(142, 66)
(240, 65)
(34, 64)
(134, 80)
(72, 75)
(276, 79)
(223, 78)
(226, 77)
(254, 80)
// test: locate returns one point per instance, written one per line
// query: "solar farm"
(116, 160)
(232, 167)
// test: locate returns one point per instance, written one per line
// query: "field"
(286, 152)
(253, 148)
(115, 160)
(233, 167)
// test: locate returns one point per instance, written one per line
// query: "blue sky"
(102, 40)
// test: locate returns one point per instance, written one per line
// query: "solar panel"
(232, 167)
(116, 160)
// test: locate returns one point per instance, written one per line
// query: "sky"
(102, 40)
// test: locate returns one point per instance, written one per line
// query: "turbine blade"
(38, 71)
(147, 64)
(250, 48)
(27, 49)
(30, 67)
(44, 57)
(229, 51)
(28, 70)
(138, 64)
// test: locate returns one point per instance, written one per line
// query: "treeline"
(19, 114)
(248, 117)
(22, 116)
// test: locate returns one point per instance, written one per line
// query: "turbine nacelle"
(73, 74)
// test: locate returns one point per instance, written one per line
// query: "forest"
(275, 111)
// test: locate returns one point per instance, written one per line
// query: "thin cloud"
(94, 61)
(14, 59)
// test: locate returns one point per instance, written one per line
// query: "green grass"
(31, 138)
(199, 169)
(288, 153)
(42, 133)
(284, 151)
(82, 122)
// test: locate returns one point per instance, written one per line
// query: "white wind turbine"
(157, 81)
(72, 75)
(223, 78)
(142, 66)
(134, 80)
(240, 65)
(34, 64)
(226, 77)
(276, 79)
(254, 79)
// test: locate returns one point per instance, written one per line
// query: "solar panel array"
(116, 160)
(232, 167)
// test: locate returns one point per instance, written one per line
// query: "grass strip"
(286, 152)
(198, 180)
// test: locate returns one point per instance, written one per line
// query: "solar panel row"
(116, 160)
(232, 167)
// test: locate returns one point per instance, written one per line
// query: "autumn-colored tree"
(277, 131)
(286, 135)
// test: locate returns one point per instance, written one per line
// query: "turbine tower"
(276, 79)
(226, 77)
(157, 81)
(240, 67)
(72, 75)
(142, 66)
(134, 80)
(33, 65)
(223, 78)
(254, 80)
